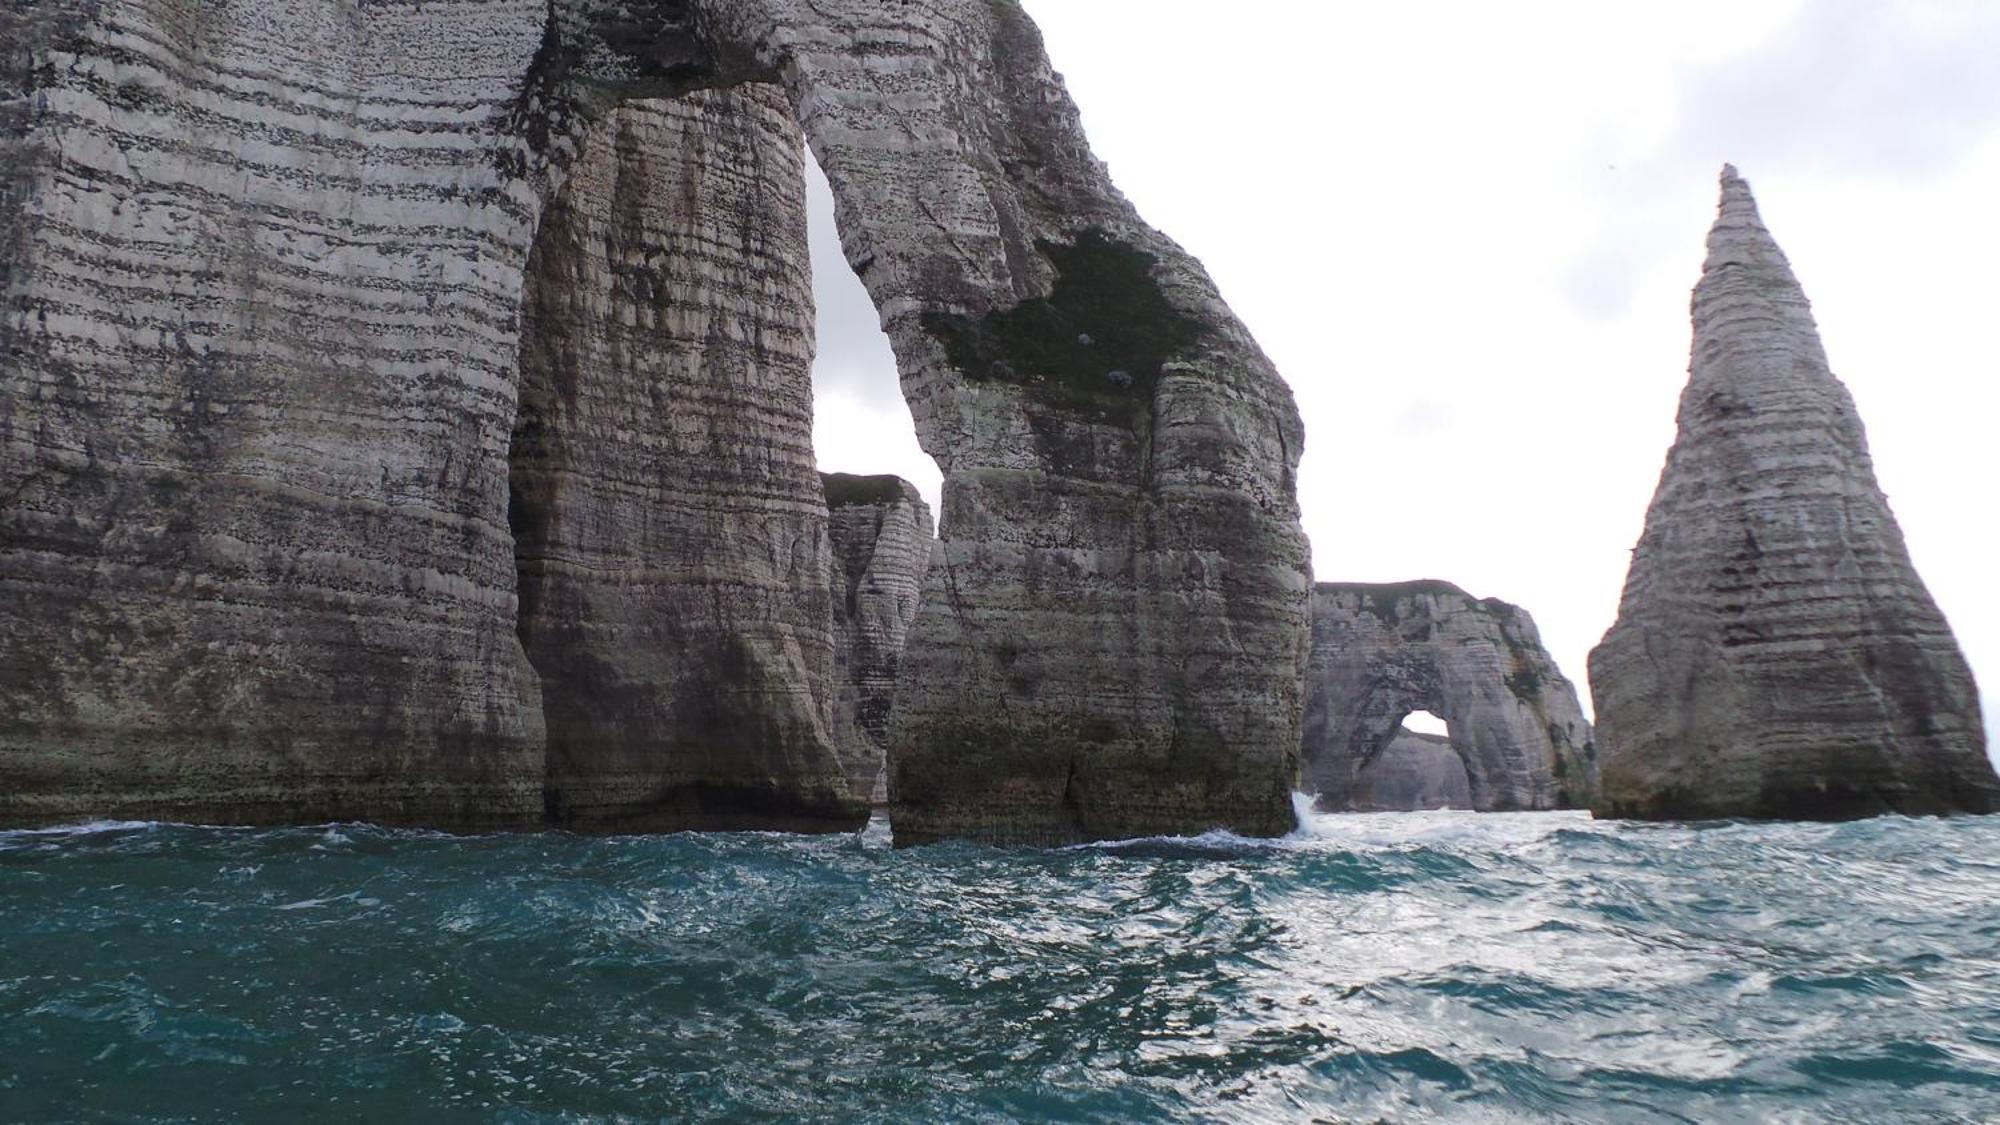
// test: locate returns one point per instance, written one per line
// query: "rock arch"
(262, 262)
(1382, 652)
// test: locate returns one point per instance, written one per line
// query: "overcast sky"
(1466, 232)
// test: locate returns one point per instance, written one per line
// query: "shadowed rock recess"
(1775, 653)
(1414, 772)
(882, 538)
(1383, 652)
(266, 399)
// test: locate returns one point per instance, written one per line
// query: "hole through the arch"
(1416, 769)
(861, 424)
(1423, 722)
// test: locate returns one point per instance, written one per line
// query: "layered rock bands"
(882, 540)
(667, 517)
(1383, 652)
(267, 266)
(1775, 653)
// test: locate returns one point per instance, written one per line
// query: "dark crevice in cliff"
(528, 511)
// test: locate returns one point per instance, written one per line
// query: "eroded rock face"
(262, 269)
(1775, 653)
(1415, 772)
(882, 539)
(666, 512)
(263, 262)
(1114, 641)
(1381, 653)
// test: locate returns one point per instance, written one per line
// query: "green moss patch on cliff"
(1094, 346)
(845, 490)
(1384, 599)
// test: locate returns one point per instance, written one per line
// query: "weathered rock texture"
(1416, 771)
(1380, 653)
(262, 264)
(882, 539)
(261, 270)
(667, 517)
(1114, 642)
(1775, 653)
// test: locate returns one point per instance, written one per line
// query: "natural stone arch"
(1098, 414)
(1381, 653)
(295, 599)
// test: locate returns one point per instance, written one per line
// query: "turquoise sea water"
(1438, 966)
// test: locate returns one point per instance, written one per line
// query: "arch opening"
(861, 421)
(1415, 767)
(1424, 722)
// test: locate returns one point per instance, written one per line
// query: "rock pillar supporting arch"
(666, 511)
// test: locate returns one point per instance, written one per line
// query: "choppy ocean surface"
(1438, 966)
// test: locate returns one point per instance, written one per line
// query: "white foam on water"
(88, 828)
(1438, 827)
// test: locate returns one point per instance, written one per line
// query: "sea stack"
(1775, 653)
(881, 533)
(1383, 652)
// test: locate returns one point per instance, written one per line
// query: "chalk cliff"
(882, 539)
(1113, 640)
(263, 265)
(667, 518)
(1381, 652)
(262, 269)
(1775, 653)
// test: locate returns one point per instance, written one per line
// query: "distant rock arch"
(1383, 652)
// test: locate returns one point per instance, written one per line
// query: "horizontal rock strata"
(666, 512)
(882, 537)
(263, 267)
(261, 271)
(1776, 654)
(1382, 652)
(1114, 642)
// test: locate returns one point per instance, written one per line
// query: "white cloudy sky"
(1466, 232)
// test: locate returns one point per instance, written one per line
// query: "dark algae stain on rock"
(1095, 345)
(845, 490)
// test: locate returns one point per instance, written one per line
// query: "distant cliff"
(1382, 652)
